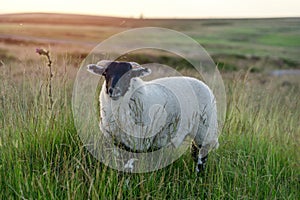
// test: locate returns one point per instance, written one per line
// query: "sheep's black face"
(117, 75)
(117, 78)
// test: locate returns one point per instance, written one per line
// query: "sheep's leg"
(195, 151)
(199, 155)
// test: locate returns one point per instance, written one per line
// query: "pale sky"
(159, 8)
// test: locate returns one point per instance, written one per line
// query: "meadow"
(42, 156)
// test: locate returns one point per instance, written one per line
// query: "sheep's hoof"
(129, 165)
(200, 169)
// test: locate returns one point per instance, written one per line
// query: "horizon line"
(154, 18)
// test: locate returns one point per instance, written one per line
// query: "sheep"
(143, 116)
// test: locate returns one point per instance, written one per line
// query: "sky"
(159, 8)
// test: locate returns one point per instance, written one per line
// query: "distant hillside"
(234, 43)
(77, 19)
(51, 18)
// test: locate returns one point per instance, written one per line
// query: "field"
(42, 156)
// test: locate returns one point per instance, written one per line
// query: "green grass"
(281, 40)
(278, 38)
(42, 157)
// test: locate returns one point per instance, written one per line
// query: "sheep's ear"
(96, 69)
(135, 65)
(140, 72)
(100, 67)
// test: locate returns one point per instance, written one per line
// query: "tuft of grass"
(41, 155)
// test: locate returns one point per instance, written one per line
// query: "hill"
(233, 43)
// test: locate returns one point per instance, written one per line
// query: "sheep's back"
(159, 112)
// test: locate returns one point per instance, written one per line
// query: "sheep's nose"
(114, 93)
(110, 91)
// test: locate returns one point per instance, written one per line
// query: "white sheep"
(144, 116)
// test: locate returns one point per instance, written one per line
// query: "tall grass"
(42, 157)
